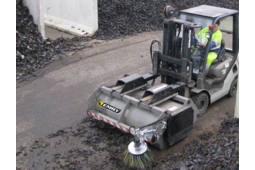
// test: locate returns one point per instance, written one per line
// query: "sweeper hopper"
(157, 113)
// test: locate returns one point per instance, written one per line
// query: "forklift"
(164, 114)
(181, 60)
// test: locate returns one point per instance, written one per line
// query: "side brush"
(137, 154)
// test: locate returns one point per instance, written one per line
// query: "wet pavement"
(57, 96)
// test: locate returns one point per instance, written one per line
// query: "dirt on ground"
(96, 145)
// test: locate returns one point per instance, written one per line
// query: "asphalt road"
(57, 97)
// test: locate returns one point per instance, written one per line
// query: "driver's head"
(216, 26)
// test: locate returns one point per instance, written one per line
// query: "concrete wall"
(78, 17)
(35, 6)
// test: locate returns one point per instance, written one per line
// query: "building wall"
(75, 16)
(78, 17)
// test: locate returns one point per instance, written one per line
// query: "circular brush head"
(138, 156)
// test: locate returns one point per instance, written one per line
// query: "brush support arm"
(140, 135)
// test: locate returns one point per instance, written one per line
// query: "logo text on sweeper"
(109, 107)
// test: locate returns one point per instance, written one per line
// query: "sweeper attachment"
(163, 114)
(156, 114)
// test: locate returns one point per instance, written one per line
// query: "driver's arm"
(194, 41)
(216, 41)
(212, 44)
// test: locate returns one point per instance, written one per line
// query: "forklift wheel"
(201, 100)
(233, 88)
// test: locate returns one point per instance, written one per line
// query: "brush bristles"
(138, 161)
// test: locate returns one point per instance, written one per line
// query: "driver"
(215, 44)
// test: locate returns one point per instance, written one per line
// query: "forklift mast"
(172, 64)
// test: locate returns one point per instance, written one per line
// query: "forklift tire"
(233, 88)
(201, 100)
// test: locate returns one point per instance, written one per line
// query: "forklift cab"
(206, 15)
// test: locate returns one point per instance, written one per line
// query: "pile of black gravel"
(219, 151)
(119, 18)
(32, 51)
(116, 19)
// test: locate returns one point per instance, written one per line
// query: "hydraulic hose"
(159, 48)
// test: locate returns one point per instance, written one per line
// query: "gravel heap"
(119, 18)
(90, 145)
(32, 51)
(116, 19)
(220, 151)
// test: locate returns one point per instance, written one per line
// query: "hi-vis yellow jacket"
(215, 42)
